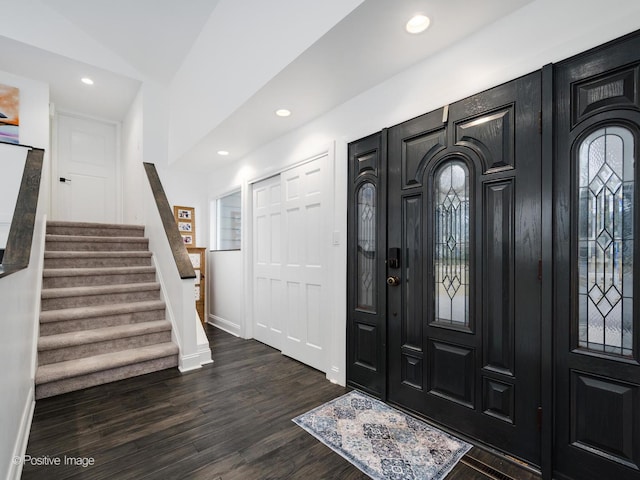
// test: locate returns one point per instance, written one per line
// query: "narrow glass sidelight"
(366, 245)
(605, 241)
(451, 243)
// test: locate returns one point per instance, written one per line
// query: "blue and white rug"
(381, 441)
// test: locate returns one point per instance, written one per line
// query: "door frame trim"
(335, 361)
(547, 340)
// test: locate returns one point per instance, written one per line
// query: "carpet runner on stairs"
(101, 318)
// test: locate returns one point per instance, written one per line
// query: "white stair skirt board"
(20, 448)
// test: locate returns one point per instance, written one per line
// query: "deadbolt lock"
(393, 281)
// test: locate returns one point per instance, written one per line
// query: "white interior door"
(86, 159)
(291, 246)
(267, 263)
(306, 241)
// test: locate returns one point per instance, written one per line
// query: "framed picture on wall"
(186, 220)
(9, 114)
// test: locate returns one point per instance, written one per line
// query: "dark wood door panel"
(464, 209)
(366, 328)
(597, 328)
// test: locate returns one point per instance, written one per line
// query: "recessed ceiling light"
(418, 23)
(86, 81)
(224, 153)
(283, 112)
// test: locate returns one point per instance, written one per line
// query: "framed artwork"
(186, 221)
(184, 213)
(9, 114)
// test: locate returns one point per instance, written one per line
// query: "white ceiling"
(367, 47)
(153, 36)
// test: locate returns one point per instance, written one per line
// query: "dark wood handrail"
(178, 248)
(18, 249)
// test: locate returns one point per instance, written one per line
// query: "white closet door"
(306, 240)
(267, 262)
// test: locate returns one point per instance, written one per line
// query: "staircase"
(101, 317)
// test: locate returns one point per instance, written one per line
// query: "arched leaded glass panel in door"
(366, 246)
(451, 243)
(605, 241)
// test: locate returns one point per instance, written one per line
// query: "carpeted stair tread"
(59, 223)
(105, 376)
(89, 239)
(102, 318)
(71, 368)
(99, 311)
(95, 254)
(48, 293)
(94, 229)
(64, 340)
(88, 271)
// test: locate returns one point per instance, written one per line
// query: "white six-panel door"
(291, 245)
(267, 262)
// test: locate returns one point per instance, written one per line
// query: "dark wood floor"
(228, 421)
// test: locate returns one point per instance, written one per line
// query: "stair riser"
(79, 351)
(66, 326)
(85, 381)
(66, 246)
(97, 262)
(105, 299)
(95, 280)
(94, 231)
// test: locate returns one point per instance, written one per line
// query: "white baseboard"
(226, 325)
(205, 354)
(187, 363)
(335, 375)
(20, 448)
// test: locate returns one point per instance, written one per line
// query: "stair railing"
(178, 290)
(18, 249)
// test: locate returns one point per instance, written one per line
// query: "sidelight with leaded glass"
(605, 241)
(366, 247)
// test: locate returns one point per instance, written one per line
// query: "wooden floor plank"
(229, 420)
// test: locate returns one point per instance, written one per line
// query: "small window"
(229, 217)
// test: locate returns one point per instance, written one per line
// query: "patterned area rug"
(381, 441)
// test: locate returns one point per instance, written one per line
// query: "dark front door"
(463, 313)
(596, 274)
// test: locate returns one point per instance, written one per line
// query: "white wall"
(20, 294)
(542, 32)
(132, 158)
(225, 291)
